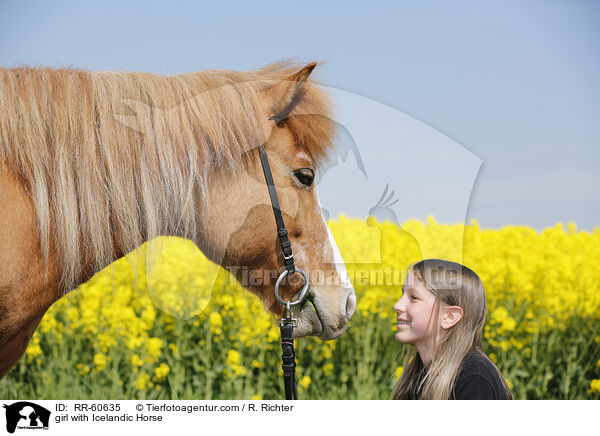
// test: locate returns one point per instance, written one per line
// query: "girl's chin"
(400, 338)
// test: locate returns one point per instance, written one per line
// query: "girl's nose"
(397, 306)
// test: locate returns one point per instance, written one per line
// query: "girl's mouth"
(399, 323)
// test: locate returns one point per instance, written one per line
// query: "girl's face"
(416, 321)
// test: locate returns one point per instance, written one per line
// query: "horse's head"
(242, 226)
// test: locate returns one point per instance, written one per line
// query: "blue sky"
(498, 98)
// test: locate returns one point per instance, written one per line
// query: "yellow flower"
(136, 361)
(499, 314)
(328, 368)
(142, 381)
(162, 371)
(34, 349)
(100, 361)
(233, 357)
(509, 383)
(509, 324)
(153, 349)
(215, 319)
(595, 386)
(305, 381)
(216, 322)
(398, 372)
(233, 361)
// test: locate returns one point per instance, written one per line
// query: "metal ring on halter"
(303, 292)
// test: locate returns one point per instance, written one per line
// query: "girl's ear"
(452, 314)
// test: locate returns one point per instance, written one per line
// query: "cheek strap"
(286, 245)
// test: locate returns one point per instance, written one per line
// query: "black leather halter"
(288, 323)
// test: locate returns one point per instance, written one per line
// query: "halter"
(288, 323)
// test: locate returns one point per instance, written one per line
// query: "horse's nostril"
(350, 306)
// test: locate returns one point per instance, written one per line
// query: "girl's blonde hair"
(455, 285)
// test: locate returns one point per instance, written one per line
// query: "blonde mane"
(99, 187)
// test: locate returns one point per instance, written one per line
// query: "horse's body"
(27, 287)
(83, 181)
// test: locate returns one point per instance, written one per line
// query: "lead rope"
(288, 357)
(287, 324)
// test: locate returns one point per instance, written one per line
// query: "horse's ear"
(281, 98)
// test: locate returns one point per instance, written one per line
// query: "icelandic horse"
(83, 181)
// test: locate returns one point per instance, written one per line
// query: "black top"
(477, 380)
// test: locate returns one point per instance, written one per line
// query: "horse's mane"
(101, 188)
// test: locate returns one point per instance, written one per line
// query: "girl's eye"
(305, 176)
(412, 297)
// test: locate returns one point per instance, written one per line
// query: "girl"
(441, 313)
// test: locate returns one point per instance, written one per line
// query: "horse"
(85, 179)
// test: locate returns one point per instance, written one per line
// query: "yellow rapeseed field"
(180, 327)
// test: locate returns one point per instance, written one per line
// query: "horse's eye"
(305, 176)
